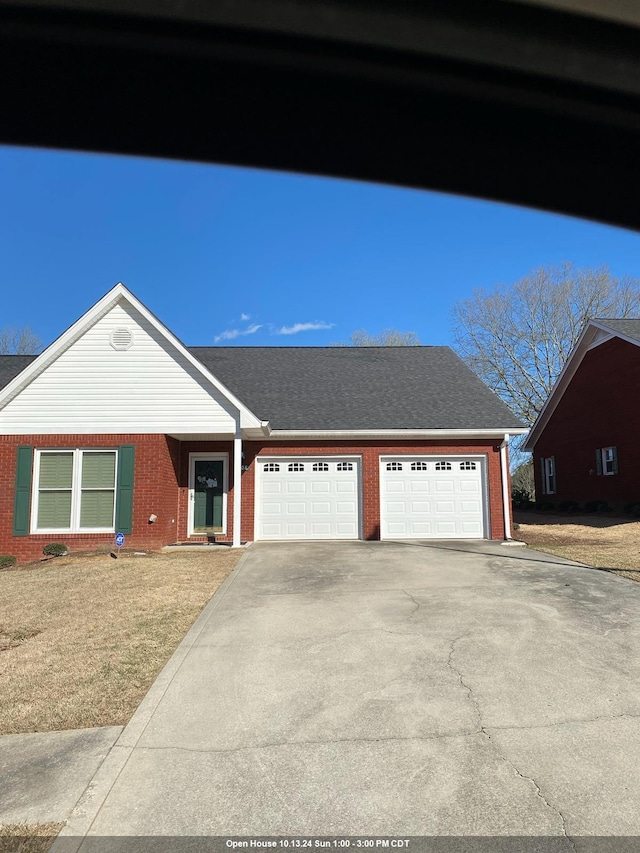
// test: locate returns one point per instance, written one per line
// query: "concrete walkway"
(389, 689)
(45, 774)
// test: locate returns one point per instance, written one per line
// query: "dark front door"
(208, 495)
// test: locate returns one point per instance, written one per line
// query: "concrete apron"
(389, 689)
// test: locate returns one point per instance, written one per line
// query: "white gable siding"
(93, 388)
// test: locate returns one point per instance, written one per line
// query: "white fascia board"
(75, 331)
(312, 434)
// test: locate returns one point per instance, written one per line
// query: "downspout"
(506, 499)
(237, 485)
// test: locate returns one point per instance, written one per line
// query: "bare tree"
(19, 341)
(517, 338)
(386, 338)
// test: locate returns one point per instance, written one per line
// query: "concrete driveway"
(390, 689)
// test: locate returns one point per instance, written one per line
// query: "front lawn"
(601, 541)
(83, 638)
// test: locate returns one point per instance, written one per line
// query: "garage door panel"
(295, 488)
(445, 498)
(318, 498)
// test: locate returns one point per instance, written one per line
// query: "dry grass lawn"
(83, 638)
(24, 838)
(603, 542)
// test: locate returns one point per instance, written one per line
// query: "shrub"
(7, 560)
(597, 506)
(54, 549)
(633, 509)
(569, 506)
(521, 499)
(545, 506)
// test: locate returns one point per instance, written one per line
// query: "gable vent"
(121, 339)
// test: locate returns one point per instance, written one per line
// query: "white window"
(296, 466)
(344, 466)
(548, 466)
(443, 466)
(320, 466)
(608, 459)
(419, 466)
(271, 467)
(394, 466)
(74, 491)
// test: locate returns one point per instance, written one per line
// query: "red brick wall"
(370, 452)
(600, 408)
(155, 491)
(161, 482)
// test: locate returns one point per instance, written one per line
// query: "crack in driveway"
(482, 730)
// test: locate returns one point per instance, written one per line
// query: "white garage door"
(432, 497)
(307, 497)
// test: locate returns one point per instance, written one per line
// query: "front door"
(208, 496)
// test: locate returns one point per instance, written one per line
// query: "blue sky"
(237, 256)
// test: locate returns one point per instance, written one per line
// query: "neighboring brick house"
(585, 440)
(118, 427)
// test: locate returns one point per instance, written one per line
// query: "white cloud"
(245, 317)
(232, 334)
(303, 327)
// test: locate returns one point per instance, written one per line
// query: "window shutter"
(124, 499)
(22, 500)
(553, 474)
(543, 475)
(615, 459)
(599, 461)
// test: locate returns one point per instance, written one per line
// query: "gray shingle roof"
(630, 328)
(12, 365)
(327, 388)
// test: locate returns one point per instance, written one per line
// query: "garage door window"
(344, 466)
(443, 466)
(394, 466)
(296, 466)
(467, 466)
(270, 467)
(419, 466)
(320, 466)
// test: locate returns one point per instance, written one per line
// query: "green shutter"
(599, 461)
(124, 498)
(22, 500)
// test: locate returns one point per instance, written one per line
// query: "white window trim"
(612, 459)
(549, 472)
(208, 457)
(76, 491)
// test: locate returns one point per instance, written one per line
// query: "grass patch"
(612, 544)
(83, 638)
(28, 838)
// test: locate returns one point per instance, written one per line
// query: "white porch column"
(237, 486)
(506, 497)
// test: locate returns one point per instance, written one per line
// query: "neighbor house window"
(74, 490)
(548, 466)
(607, 460)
